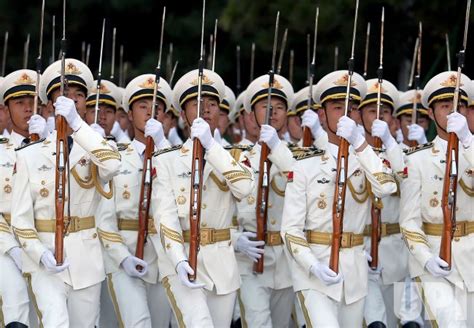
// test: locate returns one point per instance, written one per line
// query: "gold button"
(204, 188)
(7, 179)
(435, 192)
(107, 246)
(94, 235)
(273, 221)
(322, 195)
(457, 239)
(204, 224)
(270, 205)
(43, 182)
(182, 189)
(203, 206)
(125, 185)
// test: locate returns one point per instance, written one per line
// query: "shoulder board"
(241, 147)
(167, 150)
(300, 153)
(292, 145)
(3, 140)
(412, 150)
(110, 138)
(30, 144)
(122, 146)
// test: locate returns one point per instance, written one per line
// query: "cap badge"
(205, 80)
(451, 81)
(276, 85)
(25, 79)
(343, 81)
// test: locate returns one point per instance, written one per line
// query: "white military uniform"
(138, 302)
(307, 221)
(71, 297)
(266, 299)
(13, 289)
(422, 219)
(392, 253)
(224, 180)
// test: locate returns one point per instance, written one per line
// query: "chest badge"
(7, 189)
(434, 202)
(44, 192)
(181, 199)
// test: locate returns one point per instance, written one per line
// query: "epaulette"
(241, 147)
(300, 153)
(378, 150)
(292, 145)
(122, 146)
(167, 150)
(412, 150)
(30, 144)
(3, 140)
(110, 138)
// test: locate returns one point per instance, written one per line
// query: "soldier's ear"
(431, 114)
(130, 115)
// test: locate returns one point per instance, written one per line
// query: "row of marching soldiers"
(410, 286)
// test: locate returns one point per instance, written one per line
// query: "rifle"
(197, 170)
(448, 55)
(341, 169)
(26, 49)
(307, 136)
(35, 136)
(99, 74)
(237, 56)
(53, 39)
(145, 189)
(336, 57)
(4, 57)
(376, 232)
(264, 164)
(62, 156)
(448, 200)
(282, 51)
(121, 75)
(366, 58)
(292, 66)
(252, 62)
(112, 64)
(414, 112)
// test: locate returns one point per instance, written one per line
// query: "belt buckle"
(347, 239)
(460, 229)
(272, 238)
(207, 236)
(70, 224)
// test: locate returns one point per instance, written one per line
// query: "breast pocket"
(127, 187)
(43, 190)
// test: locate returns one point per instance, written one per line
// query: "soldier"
(265, 299)
(118, 230)
(392, 253)
(469, 111)
(65, 294)
(109, 102)
(446, 292)
(331, 299)
(411, 131)
(17, 92)
(208, 301)
(225, 106)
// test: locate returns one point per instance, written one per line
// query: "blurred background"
(241, 23)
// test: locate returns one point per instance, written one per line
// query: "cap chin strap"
(436, 122)
(13, 122)
(327, 122)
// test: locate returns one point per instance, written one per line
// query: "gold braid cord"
(98, 185)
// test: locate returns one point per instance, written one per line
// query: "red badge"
(405, 172)
(247, 162)
(387, 163)
(14, 169)
(290, 176)
(153, 173)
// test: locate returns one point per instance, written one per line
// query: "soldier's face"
(106, 118)
(169, 121)
(251, 127)
(21, 110)
(369, 115)
(332, 111)
(4, 118)
(210, 111)
(122, 119)
(224, 122)
(75, 93)
(294, 127)
(140, 112)
(439, 111)
(405, 121)
(278, 117)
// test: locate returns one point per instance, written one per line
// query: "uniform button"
(182, 189)
(203, 206)
(204, 224)
(270, 205)
(125, 186)
(43, 182)
(7, 179)
(457, 239)
(94, 235)
(273, 221)
(204, 188)
(107, 246)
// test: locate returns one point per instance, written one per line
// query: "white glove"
(130, 264)
(269, 135)
(15, 254)
(217, 136)
(380, 129)
(51, 123)
(325, 274)
(399, 136)
(347, 129)
(50, 263)
(457, 123)
(374, 274)
(435, 267)
(201, 130)
(311, 120)
(183, 269)
(97, 128)
(37, 125)
(117, 132)
(67, 109)
(154, 129)
(249, 247)
(417, 133)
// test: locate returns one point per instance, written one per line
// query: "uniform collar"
(16, 139)
(138, 146)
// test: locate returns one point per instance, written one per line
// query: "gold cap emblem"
(276, 85)
(24, 79)
(149, 83)
(205, 80)
(451, 81)
(375, 88)
(71, 69)
(343, 80)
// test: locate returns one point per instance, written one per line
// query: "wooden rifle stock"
(307, 136)
(262, 202)
(338, 204)
(62, 154)
(376, 223)
(145, 197)
(448, 200)
(195, 206)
